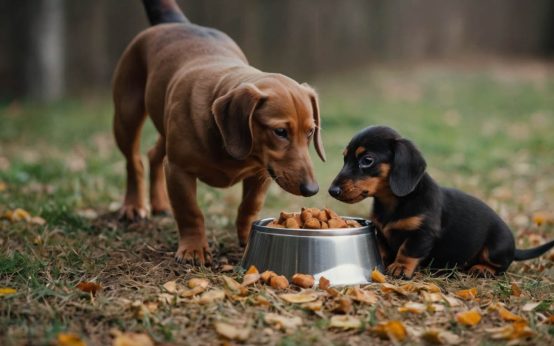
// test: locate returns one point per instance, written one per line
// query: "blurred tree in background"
(53, 48)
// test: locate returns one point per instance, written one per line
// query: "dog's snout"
(309, 189)
(335, 191)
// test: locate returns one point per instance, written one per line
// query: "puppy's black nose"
(335, 191)
(309, 189)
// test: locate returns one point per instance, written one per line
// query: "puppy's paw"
(193, 251)
(132, 213)
(482, 271)
(399, 270)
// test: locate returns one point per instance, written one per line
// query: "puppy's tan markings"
(484, 257)
(408, 224)
(359, 150)
(482, 270)
(345, 152)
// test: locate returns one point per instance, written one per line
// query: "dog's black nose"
(335, 191)
(309, 189)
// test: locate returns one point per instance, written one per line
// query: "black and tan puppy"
(420, 223)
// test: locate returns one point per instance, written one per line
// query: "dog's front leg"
(254, 189)
(414, 249)
(193, 244)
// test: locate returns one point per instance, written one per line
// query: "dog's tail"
(526, 254)
(163, 11)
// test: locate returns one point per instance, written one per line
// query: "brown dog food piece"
(331, 214)
(291, 223)
(267, 275)
(353, 223)
(283, 216)
(305, 214)
(322, 217)
(315, 212)
(274, 224)
(337, 223)
(324, 225)
(312, 223)
(303, 280)
(279, 282)
(324, 283)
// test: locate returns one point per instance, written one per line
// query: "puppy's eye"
(281, 132)
(366, 162)
(311, 133)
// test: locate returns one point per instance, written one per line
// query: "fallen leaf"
(530, 306)
(166, 298)
(468, 318)
(303, 280)
(362, 296)
(143, 309)
(516, 291)
(435, 307)
(234, 286)
(431, 297)
(345, 322)
(453, 302)
(198, 282)
(232, 332)
(505, 314)
(227, 268)
(377, 276)
(252, 270)
(250, 279)
(430, 288)
(413, 307)
(3, 186)
(171, 286)
(89, 287)
(541, 217)
(212, 296)
(393, 330)
(37, 220)
(7, 291)
(468, 294)
(388, 288)
(440, 337)
(131, 339)
(332, 292)
(516, 330)
(283, 322)
(301, 297)
(343, 305)
(313, 306)
(191, 292)
(17, 215)
(70, 339)
(261, 300)
(324, 283)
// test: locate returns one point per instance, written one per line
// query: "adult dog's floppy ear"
(315, 109)
(408, 168)
(233, 117)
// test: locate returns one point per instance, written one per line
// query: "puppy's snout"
(335, 191)
(309, 189)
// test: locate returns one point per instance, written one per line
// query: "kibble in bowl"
(312, 218)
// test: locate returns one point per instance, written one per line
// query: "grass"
(486, 130)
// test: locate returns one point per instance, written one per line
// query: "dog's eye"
(281, 132)
(366, 162)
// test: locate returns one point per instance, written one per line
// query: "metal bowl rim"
(259, 226)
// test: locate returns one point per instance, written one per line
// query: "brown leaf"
(252, 270)
(516, 330)
(250, 279)
(324, 283)
(261, 301)
(431, 297)
(70, 339)
(198, 282)
(212, 296)
(302, 297)
(343, 305)
(505, 314)
(332, 292)
(453, 302)
(288, 323)
(362, 296)
(413, 307)
(191, 292)
(17, 215)
(440, 337)
(468, 318)
(377, 276)
(530, 306)
(131, 339)
(234, 286)
(393, 330)
(89, 287)
(468, 294)
(227, 268)
(313, 306)
(170, 286)
(515, 290)
(388, 288)
(303, 280)
(345, 322)
(232, 332)
(37, 220)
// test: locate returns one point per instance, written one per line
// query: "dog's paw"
(193, 251)
(132, 213)
(399, 270)
(482, 271)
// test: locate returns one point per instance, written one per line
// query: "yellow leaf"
(468, 318)
(132, 339)
(232, 332)
(516, 291)
(234, 286)
(198, 282)
(468, 294)
(7, 291)
(362, 296)
(541, 217)
(438, 336)
(250, 279)
(505, 314)
(516, 330)
(393, 330)
(416, 308)
(3, 186)
(252, 270)
(283, 322)
(70, 339)
(17, 215)
(302, 297)
(377, 276)
(191, 292)
(171, 286)
(212, 296)
(313, 306)
(345, 322)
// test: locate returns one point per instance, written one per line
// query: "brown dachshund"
(418, 222)
(219, 120)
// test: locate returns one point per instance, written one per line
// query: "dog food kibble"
(312, 218)
(279, 282)
(303, 280)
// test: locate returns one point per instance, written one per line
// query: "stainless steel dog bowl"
(344, 256)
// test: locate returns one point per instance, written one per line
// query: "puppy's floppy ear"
(408, 168)
(233, 117)
(315, 109)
